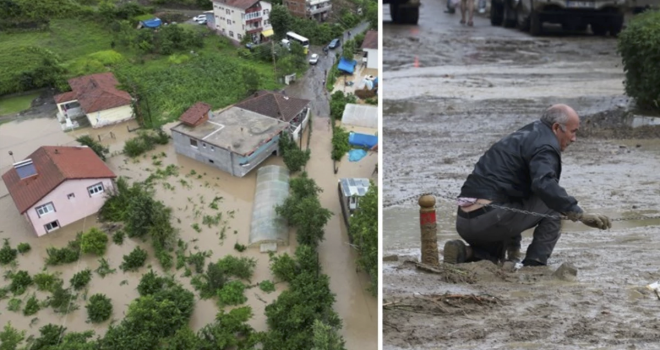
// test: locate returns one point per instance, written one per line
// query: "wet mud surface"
(452, 91)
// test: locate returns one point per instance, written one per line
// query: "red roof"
(195, 113)
(370, 40)
(54, 165)
(96, 92)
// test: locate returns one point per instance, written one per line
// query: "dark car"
(334, 44)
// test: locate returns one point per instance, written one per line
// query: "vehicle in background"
(529, 15)
(334, 44)
(199, 18)
(404, 11)
(314, 59)
(304, 42)
(201, 21)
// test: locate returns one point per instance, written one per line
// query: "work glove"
(596, 221)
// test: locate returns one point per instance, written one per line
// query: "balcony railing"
(255, 30)
(318, 10)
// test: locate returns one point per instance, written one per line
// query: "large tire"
(535, 24)
(496, 14)
(409, 15)
(509, 16)
(522, 21)
(394, 12)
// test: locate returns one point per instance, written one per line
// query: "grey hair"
(554, 115)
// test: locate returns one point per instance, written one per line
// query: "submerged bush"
(99, 308)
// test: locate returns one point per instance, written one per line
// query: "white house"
(97, 97)
(370, 48)
(237, 18)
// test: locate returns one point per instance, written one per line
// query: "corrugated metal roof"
(354, 186)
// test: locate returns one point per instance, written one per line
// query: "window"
(45, 209)
(239, 36)
(70, 196)
(203, 145)
(265, 11)
(228, 12)
(211, 161)
(193, 143)
(212, 149)
(266, 22)
(52, 226)
(95, 189)
(233, 22)
(229, 21)
(231, 34)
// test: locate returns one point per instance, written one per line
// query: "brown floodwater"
(189, 196)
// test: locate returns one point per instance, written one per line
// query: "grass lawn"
(16, 104)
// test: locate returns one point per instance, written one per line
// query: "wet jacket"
(524, 163)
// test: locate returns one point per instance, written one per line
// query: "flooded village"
(221, 172)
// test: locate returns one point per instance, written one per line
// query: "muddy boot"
(513, 254)
(456, 252)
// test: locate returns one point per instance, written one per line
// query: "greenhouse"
(268, 229)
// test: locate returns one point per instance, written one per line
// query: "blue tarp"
(376, 81)
(362, 140)
(346, 65)
(152, 23)
(356, 154)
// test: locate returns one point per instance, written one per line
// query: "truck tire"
(616, 24)
(496, 14)
(535, 24)
(394, 12)
(522, 21)
(409, 15)
(509, 16)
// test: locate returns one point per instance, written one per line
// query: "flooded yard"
(189, 194)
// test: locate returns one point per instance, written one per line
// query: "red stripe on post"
(427, 218)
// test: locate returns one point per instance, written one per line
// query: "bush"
(46, 281)
(99, 308)
(66, 255)
(364, 231)
(20, 281)
(104, 268)
(340, 145)
(267, 286)
(14, 304)
(639, 47)
(32, 306)
(81, 279)
(145, 141)
(233, 293)
(24, 248)
(294, 157)
(209, 283)
(242, 268)
(94, 241)
(118, 237)
(240, 247)
(7, 253)
(62, 300)
(98, 148)
(134, 260)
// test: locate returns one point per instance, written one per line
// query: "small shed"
(364, 116)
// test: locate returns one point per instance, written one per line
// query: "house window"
(95, 189)
(70, 196)
(45, 209)
(193, 143)
(266, 22)
(239, 36)
(203, 145)
(212, 149)
(228, 12)
(265, 11)
(233, 22)
(229, 21)
(211, 161)
(52, 226)
(231, 34)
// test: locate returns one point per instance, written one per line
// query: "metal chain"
(520, 211)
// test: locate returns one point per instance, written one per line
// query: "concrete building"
(97, 97)
(238, 18)
(315, 9)
(370, 48)
(56, 186)
(234, 140)
(350, 190)
(295, 111)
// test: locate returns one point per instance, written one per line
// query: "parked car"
(314, 59)
(199, 18)
(334, 44)
(201, 21)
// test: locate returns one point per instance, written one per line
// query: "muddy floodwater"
(450, 92)
(189, 194)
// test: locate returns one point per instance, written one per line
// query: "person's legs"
(463, 9)
(470, 4)
(546, 234)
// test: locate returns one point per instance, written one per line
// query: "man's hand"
(596, 220)
(573, 216)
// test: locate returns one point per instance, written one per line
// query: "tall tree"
(281, 20)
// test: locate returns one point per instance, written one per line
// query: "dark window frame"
(94, 185)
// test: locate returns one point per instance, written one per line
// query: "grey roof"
(354, 186)
(235, 129)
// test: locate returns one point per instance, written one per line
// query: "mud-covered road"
(450, 91)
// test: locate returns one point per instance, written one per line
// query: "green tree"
(326, 337)
(251, 80)
(281, 20)
(99, 308)
(94, 241)
(97, 147)
(348, 51)
(294, 157)
(364, 230)
(10, 337)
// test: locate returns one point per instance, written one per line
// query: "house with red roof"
(97, 97)
(56, 186)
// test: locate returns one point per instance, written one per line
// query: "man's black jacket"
(524, 163)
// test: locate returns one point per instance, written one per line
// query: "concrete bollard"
(429, 227)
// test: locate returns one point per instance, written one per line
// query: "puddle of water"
(356, 307)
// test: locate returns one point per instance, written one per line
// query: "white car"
(314, 59)
(199, 18)
(201, 21)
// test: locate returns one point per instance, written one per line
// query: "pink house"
(56, 186)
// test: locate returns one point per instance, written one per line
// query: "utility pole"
(272, 47)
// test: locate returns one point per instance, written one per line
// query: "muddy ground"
(450, 92)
